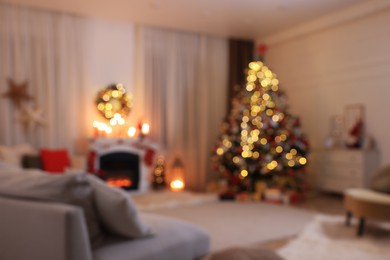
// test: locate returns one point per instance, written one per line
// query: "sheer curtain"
(45, 49)
(181, 91)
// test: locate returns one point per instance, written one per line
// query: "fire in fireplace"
(120, 169)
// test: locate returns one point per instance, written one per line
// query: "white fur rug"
(327, 237)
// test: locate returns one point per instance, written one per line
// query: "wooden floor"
(326, 203)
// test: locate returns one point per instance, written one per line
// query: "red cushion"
(55, 160)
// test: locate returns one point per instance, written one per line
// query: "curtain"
(240, 54)
(44, 49)
(181, 91)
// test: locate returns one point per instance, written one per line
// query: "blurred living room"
(153, 129)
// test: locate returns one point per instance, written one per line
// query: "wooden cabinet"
(337, 170)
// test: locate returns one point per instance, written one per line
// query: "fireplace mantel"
(139, 146)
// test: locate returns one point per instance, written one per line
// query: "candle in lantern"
(177, 175)
(177, 185)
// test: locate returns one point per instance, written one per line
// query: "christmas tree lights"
(260, 139)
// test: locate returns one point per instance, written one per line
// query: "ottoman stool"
(365, 203)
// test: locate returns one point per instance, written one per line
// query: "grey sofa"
(31, 229)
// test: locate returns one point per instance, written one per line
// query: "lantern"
(177, 176)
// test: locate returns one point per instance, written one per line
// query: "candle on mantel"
(102, 129)
(95, 125)
(108, 130)
(113, 122)
(132, 131)
(145, 129)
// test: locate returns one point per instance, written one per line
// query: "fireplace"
(121, 162)
(121, 169)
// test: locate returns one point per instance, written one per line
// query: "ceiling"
(250, 19)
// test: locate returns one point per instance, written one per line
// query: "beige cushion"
(71, 189)
(380, 180)
(368, 196)
(13, 154)
(117, 210)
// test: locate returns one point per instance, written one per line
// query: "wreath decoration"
(113, 100)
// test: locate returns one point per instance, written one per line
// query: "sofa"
(37, 222)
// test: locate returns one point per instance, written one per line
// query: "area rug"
(327, 237)
(241, 223)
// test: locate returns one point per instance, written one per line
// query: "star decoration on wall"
(17, 92)
(32, 117)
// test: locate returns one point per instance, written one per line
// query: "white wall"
(328, 69)
(109, 59)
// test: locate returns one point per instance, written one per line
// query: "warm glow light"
(113, 121)
(177, 185)
(244, 173)
(145, 129)
(108, 130)
(236, 159)
(131, 132)
(279, 149)
(121, 121)
(302, 160)
(291, 163)
(102, 126)
(117, 116)
(119, 182)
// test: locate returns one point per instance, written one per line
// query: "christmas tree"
(158, 181)
(260, 140)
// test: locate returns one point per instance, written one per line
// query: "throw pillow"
(72, 189)
(55, 161)
(380, 180)
(31, 161)
(13, 154)
(117, 211)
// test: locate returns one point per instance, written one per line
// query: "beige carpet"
(326, 237)
(240, 223)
